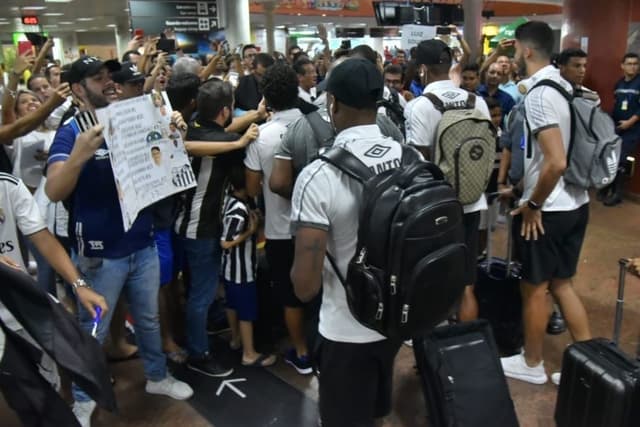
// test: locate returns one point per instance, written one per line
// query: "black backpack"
(394, 110)
(410, 265)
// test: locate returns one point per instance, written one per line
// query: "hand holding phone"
(25, 47)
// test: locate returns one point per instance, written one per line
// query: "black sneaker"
(556, 325)
(207, 365)
(301, 364)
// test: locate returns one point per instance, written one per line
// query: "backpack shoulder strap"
(555, 85)
(347, 163)
(471, 101)
(321, 129)
(437, 102)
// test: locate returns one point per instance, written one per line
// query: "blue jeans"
(203, 257)
(138, 275)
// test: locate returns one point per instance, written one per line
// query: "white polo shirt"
(547, 108)
(422, 119)
(327, 199)
(259, 158)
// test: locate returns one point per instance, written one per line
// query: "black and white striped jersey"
(238, 262)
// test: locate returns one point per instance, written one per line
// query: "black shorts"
(555, 254)
(471, 237)
(355, 381)
(280, 258)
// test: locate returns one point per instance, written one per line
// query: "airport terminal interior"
(236, 41)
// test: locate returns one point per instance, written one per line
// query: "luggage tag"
(625, 105)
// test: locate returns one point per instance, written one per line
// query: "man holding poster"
(111, 259)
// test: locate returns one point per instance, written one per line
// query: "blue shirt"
(505, 100)
(95, 219)
(627, 94)
(512, 89)
(416, 88)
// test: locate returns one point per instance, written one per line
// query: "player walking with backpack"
(453, 127)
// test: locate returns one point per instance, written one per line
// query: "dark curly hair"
(280, 87)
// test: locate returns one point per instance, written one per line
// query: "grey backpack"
(594, 147)
(465, 148)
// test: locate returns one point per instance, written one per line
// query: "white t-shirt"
(422, 118)
(18, 210)
(25, 166)
(259, 158)
(310, 96)
(327, 199)
(547, 108)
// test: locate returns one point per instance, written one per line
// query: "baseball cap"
(356, 83)
(127, 74)
(88, 66)
(433, 52)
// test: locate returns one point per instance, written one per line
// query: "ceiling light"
(85, 19)
(65, 22)
(81, 30)
(34, 7)
(58, 1)
(126, 9)
(112, 25)
(53, 14)
(4, 22)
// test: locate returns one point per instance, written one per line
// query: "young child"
(238, 242)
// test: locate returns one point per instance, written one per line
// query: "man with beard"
(110, 259)
(553, 215)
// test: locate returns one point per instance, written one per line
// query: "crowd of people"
(253, 124)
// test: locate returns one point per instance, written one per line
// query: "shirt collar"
(290, 114)
(441, 84)
(358, 132)
(549, 72)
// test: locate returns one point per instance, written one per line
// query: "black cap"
(433, 52)
(127, 74)
(88, 66)
(356, 83)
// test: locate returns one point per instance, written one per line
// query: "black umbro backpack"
(411, 263)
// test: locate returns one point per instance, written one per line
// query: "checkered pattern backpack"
(465, 148)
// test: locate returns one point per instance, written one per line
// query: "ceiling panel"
(99, 14)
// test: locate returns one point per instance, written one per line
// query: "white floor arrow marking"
(229, 383)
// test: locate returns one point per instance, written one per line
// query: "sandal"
(263, 361)
(178, 356)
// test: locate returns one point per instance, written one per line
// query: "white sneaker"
(555, 378)
(171, 387)
(516, 367)
(83, 411)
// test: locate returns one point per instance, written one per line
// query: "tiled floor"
(612, 233)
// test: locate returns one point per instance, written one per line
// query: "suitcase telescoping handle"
(624, 264)
(493, 198)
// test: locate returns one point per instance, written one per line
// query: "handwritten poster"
(147, 153)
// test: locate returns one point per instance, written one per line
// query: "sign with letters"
(147, 154)
(183, 16)
(414, 34)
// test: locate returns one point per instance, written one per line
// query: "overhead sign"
(30, 20)
(184, 16)
(414, 34)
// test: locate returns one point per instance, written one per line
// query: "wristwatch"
(79, 283)
(533, 205)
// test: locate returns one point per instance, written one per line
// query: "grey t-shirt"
(300, 145)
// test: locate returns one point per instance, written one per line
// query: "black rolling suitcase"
(497, 290)
(462, 378)
(600, 385)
